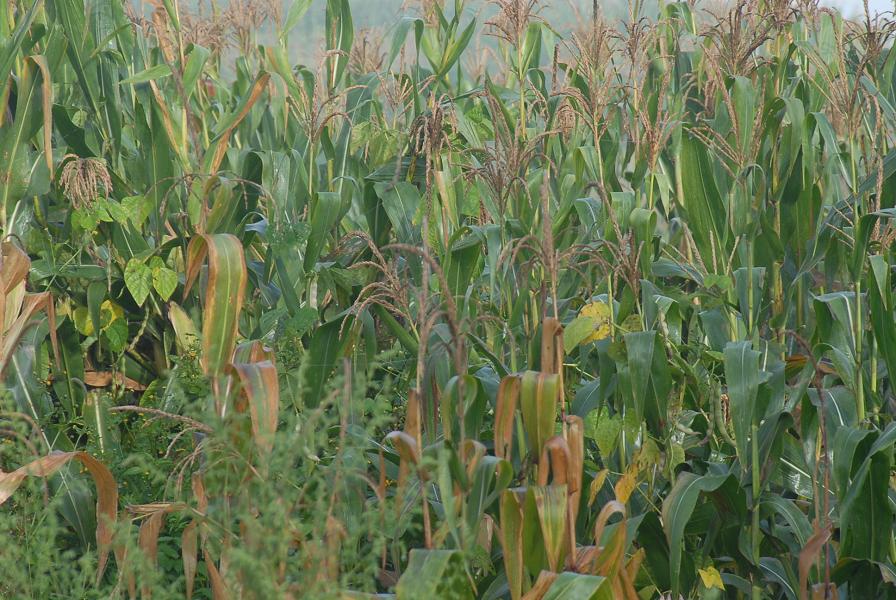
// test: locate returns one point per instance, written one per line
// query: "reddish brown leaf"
(262, 389)
(508, 395)
(106, 493)
(189, 544)
(809, 554)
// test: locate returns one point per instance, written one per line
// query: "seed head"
(82, 178)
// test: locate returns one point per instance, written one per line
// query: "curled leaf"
(262, 389)
(106, 492)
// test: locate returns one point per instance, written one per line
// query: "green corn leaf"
(402, 202)
(539, 406)
(434, 574)
(224, 294)
(16, 163)
(96, 416)
(328, 342)
(796, 520)
(702, 201)
(881, 303)
(325, 215)
(579, 585)
(678, 507)
(152, 73)
(743, 375)
(551, 506)
(11, 46)
(866, 513)
(340, 35)
(196, 61)
(511, 515)
(297, 10)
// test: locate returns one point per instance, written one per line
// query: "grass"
(600, 314)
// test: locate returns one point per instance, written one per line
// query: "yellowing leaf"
(81, 319)
(600, 312)
(596, 484)
(592, 324)
(625, 486)
(711, 578)
(632, 323)
(109, 313)
(647, 456)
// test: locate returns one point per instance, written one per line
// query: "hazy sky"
(855, 6)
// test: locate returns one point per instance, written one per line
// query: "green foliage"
(608, 315)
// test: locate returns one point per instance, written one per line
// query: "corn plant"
(476, 305)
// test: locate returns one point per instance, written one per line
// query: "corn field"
(463, 308)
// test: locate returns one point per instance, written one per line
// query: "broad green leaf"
(224, 294)
(328, 342)
(539, 399)
(579, 585)
(866, 512)
(226, 126)
(151, 74)
(401, 202)
(16, 163)
(434, 574)
(96, 416)
(604, 430)
(340, 35)
(702, 201)
(511, 515)
(325, 215)
(742, 373)
(678, 507)
(164, 281)
(881, 303)
(138, 208)
(139, 279)
(196, 61)
(11, 46)
(297, 10)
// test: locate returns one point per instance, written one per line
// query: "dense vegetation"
(609, 316)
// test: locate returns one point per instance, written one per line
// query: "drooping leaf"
(106, 488)
(260, 384)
